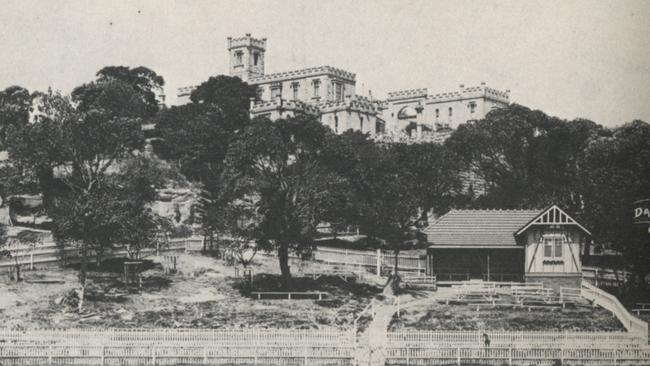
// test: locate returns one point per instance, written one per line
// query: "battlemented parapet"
(305, 73)
(246, 41)
(407, 94)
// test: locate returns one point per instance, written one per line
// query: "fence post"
(407, 356)
(205, 355)
(305, 353)
(510, 356)
(31, 261)
(378, 262)
(103, 355)
(49, 356)
(458, 356)
(157, 248)
(153, 355)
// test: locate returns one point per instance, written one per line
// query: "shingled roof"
(479, 228)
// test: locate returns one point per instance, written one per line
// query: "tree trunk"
(396, 262)
(82, 275)
(283, 256)
(18, 279)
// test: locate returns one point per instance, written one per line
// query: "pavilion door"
(478, 266)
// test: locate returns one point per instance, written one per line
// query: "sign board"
(642, 211)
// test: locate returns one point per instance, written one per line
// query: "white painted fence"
(611, 303)
(516, 356)
(538, 339)
(177, 346)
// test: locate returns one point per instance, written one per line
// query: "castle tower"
(246, 57)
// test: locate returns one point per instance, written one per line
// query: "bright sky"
(572, 59)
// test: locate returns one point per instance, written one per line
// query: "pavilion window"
(558, 248)
(295, 88)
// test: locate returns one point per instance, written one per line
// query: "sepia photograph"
(330, 183)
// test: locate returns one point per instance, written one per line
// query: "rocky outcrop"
(177, 204)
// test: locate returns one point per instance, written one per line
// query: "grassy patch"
(438, 316)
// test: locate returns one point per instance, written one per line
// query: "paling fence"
(605, 277)
(49, 253)
(375, 260)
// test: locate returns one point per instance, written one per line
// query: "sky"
(572, 59)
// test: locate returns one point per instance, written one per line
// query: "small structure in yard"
(132, 273)
(507, 245)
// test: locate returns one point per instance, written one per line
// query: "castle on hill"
(329, 93)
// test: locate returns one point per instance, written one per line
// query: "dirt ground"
(430, 311)
(204, 293)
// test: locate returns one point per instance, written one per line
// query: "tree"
(15, 103)
(4, 252)
(239, 224)
(526, 158)
(435, 174)
(279, 163)
(380, 195)
(615, 173)
(197, 137)
(121, 91)
(84, 144)
(229, 94)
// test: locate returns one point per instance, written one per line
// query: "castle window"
(437, 113)
(316, 88)
(338, 87)
(451, 111)
(294, 88)
(239, 58)
(361, 123)
(276, 91)
(256, 58)
(336, 124)
(260, 93)
(472, 107)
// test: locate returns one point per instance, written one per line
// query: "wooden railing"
(611, 303)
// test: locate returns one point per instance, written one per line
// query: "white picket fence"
(516, 356)
(312, 347)
(376, 259)
(177, 346)
(536, 339)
